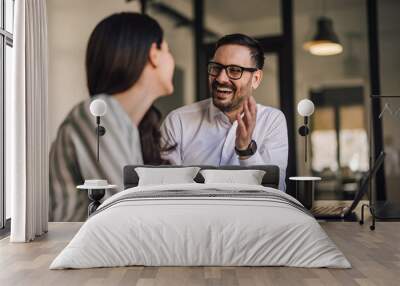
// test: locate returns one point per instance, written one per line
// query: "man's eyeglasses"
(232, 71)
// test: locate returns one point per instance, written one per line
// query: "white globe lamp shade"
(305, 107)
(98, 107)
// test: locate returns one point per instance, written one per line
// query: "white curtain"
(27, 141)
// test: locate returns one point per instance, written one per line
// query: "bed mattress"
(201, 225)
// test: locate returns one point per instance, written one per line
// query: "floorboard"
(375, 257)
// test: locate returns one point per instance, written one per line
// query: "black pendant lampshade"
(325, 42)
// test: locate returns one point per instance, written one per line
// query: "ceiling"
(245, 10)
(238, 10)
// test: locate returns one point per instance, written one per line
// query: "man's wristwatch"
(251, 150)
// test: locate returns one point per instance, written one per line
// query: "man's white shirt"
(205, 136)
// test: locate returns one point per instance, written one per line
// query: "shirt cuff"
(252, 160)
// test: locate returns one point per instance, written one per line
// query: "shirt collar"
(217, 114)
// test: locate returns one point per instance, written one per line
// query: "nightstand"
(305, 190)
(96, 190)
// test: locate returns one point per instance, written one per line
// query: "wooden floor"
(375, 256)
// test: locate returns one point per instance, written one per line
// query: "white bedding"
(183, 231)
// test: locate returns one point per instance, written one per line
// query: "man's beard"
(233, 104)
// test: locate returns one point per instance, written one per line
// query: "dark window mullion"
(337, 130)
(7, 34)
(9, 42)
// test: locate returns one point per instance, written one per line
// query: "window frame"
(6, 39)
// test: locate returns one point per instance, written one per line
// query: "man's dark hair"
(256, 51)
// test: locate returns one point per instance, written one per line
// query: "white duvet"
(188, 231)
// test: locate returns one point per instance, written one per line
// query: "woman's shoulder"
(78, 115)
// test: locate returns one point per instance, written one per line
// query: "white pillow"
(248, 177)
(164, 176)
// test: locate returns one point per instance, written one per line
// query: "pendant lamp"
(325, 42)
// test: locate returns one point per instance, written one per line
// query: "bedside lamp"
(98, 108)
(305, 108)
(96, 188)
(305, 185)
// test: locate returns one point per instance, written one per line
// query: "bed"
(198, 224)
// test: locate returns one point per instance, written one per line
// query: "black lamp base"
(95, 195)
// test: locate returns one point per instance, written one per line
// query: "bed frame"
(270, 179)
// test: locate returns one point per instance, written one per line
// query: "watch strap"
(251, 150)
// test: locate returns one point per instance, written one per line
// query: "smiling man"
(230, 128)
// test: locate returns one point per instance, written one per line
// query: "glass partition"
(338, 85)
(389, 46)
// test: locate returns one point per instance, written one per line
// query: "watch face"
(253, 147)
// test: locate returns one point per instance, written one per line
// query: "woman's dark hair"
(150, 137)
(256, 50)
(118, 50)
(116, 55)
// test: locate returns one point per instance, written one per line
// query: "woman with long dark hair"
(129, 66)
